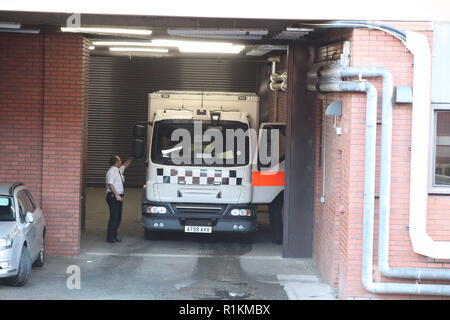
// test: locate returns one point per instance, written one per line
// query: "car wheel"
(150, 235)
(24, 270)
(39, 263)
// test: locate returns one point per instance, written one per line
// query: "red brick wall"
(330, 226)
(21, 110)
(43, 111)
(391, 54)
(281, 96)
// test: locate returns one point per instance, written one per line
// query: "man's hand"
(127, 163)
(118, 197)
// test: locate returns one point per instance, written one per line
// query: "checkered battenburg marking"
(198, 176)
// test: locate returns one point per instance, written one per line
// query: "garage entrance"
(119, 83)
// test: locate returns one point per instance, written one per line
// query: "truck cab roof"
(198, 105)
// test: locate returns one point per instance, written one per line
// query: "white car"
(22, 234)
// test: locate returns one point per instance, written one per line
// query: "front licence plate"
(198, 229)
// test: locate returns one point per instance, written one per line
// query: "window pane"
(232, 153)
(32, 201)
(442, 160)
(24, 202)
(6, 209)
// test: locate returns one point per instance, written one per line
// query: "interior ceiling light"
(264, 49)
(91, 47)
(113, 31)
(230, 34)
(292, 29)
(131, 49)
(122, 43)
(9, 25)
(183, 46)
(209, 31)
(257, 53)
(200, 47)
(222, 37)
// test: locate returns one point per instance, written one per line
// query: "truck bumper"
(218, 225)
(180, 215)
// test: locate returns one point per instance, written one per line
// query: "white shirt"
(115, 177)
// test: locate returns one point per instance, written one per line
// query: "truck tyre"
(39, 263)
(150, 235)
(276, 219)
(24, 270)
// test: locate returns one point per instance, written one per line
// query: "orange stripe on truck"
(268, 178)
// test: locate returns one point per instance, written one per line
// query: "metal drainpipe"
(418, 45)
(369, 182)
(277, 81)
(385, 178)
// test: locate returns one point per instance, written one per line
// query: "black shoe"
(118, 240)
(111, 241)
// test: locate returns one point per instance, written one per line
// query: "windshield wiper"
(166, 152)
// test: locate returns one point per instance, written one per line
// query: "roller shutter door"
(118, 89)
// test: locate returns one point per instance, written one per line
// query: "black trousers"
(115, 216)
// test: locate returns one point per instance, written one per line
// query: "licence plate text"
(198, 229)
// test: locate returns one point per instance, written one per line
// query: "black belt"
(112, 194)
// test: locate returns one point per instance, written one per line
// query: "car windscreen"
(7, 209)
(203, 143)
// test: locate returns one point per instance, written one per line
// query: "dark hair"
(113, 159)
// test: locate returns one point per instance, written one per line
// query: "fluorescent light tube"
(129, 49)
(141, 32)
(292, 29)
(200, 47)
(123, 43)
(183, 46)
(9, 25)
(223, 32)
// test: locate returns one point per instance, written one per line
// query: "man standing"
(114, 195)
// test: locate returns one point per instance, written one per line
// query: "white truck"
(203, 175)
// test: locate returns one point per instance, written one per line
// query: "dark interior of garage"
(118, 98)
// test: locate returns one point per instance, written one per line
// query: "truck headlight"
(235, 212)
(241, 212)
(156, 209)
(6, 243)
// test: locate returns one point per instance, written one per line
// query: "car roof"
(7, 189)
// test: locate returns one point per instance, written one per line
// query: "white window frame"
(433, 188)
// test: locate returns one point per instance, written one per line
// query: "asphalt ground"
(174, 266)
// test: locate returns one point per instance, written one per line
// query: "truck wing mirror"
(138, 149)
(139, 131)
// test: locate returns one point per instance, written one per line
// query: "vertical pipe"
(385, 178)
(369, 195)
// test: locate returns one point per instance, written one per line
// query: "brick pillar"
(21, 87)
(64, 126)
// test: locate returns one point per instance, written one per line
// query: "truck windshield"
(202, 143)
(6, 209)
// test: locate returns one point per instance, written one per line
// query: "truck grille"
(190, 208)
